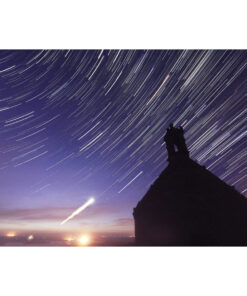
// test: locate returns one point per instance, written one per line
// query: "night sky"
(90, 123)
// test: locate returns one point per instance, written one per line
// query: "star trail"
(76, 124)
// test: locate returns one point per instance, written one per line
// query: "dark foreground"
(46, 241)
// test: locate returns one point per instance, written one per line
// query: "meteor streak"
(80, 209)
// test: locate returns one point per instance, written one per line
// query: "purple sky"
(77, 124)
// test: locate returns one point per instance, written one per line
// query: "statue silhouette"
(175, 141)
(169, 139)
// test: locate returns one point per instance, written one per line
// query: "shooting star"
(79, 210)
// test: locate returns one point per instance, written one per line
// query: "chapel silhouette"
(189, 206)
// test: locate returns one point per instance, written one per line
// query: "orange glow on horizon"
(10, 234)
(84, 240)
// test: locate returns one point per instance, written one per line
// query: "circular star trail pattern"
(93, 121)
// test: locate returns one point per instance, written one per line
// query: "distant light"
(30, 237)
(69, 239)
(84, 240)
(11, 234)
